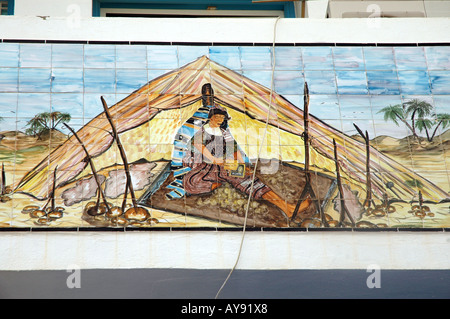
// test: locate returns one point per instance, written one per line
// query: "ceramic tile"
(30, 104)
(8, 105)
(317, 58)
(321, 82)
(355, 107)
(155, 74)
(93, 105)
(288, 58)
(351, 82)
(226, 82)
(99, 56)
(34, 80)
(386, 128)
(228, 57)
(295, 100)
(348, 58)
(410, 58)
(262, 77)
(383, 82)
(414, 82)
(378, 102)
(162, 57)
(67, 80)
(439, 82)
(379, 58)
(35, 55)
(365, 125)
(9, 79)
(336, 124)
(99, 80)
(187, 54)
(131, 56)
(67, 56)
(256, 58)
(438, 58)
(442, 103)
(174, 101)
(324, 106)
(129, 80)
(68, 102)
(9, 55)
(288, 82)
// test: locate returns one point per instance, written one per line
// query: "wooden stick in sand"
(94, 171)
(136, 212)
(308, 187)
(343, 209)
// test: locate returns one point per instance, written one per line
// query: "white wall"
(52, 8)
(314, 8)
(187, 249)
(219, 250)
(317, 9)
(372, 30)
(426, 8)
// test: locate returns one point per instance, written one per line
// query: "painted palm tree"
(396, 113)
(413, 110)
(442, 120)
(46, 122)
(417, 109)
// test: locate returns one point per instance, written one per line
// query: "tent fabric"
(167, 102)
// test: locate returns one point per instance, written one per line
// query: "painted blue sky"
(347, 84)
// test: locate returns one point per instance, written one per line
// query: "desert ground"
(19, 153)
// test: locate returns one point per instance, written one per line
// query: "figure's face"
(216, 120)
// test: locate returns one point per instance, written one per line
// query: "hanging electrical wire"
(256, 162)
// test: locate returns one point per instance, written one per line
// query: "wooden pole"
(91, 163)
(308, 188)
(368, 199)
(420, 200)
(306, 125)
(207, 95)
(343, 208)
(53, 190)
(3, 184)
(122, 153)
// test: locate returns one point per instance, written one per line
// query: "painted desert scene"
(310, 138)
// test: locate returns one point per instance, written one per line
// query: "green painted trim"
(95, 8)
(10, 7)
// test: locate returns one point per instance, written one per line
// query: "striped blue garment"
(181, 143)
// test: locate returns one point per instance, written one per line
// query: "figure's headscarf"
(217, 109)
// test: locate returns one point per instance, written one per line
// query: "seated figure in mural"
(212, 147)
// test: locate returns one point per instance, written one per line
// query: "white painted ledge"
(219, 250)
(215, 30)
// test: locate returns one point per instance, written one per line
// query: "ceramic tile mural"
(151, 136)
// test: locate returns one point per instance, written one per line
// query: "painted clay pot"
(114, 212)
(54, 215)
(30, 208)
(119, 221)
(37, 213)
(139, 214)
